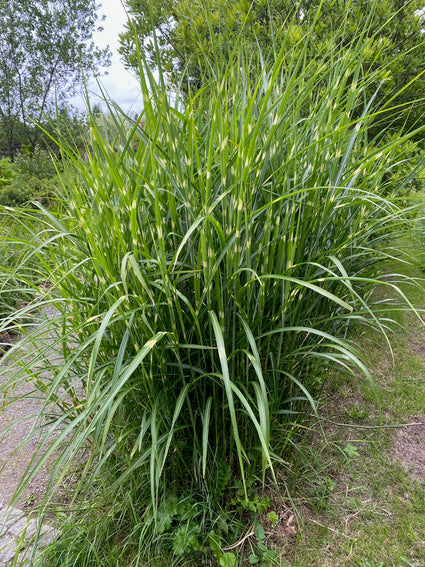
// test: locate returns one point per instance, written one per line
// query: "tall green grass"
(21, 272)
(207, 267)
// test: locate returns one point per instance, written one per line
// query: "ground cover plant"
(207, 265)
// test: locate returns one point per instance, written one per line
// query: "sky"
(121, 85)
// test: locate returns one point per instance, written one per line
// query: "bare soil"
(409, 447)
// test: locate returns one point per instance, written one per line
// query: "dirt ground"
(19, 439)
(409, 447)
(16, 423)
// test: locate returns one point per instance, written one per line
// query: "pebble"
(18, 535)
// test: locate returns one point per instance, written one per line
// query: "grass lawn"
(361, 495)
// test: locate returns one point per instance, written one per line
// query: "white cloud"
(120, 85)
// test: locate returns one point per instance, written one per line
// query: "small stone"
(17, 532)
(8, 550)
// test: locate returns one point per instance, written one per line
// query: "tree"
(188, 32)
(45, 49)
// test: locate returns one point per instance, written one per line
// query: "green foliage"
(253, 503)
(382, 499)
(406, 172)
(191, 35)
(224, 559)
(262, 555)
(20, 275)
(7, 172)
(64, 122)
(351, 451)
(185, 539)
(227, 560)
(25, 188)
(273, 517)
(16, 195)
(31, 176)
(205, 279)
(37, 163)
(46, 47)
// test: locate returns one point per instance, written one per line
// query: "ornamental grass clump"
(207, 266)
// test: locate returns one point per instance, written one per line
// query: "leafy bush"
(39, 163)
(7, 172)
(408, 170)
(32, 176)
(26, 188)
(206, 282)
(12, 196)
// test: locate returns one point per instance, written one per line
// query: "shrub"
(26, 188)
(7, 172)
(38, 163)
(33, 176)
(206, 282)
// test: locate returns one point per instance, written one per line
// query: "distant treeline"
(11, 151)
(6, 149)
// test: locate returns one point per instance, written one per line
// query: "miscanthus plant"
(209, 261)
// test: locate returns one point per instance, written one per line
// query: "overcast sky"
(121, 85)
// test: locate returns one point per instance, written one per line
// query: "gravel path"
(16, 424)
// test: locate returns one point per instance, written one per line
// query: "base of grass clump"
(182, 531)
